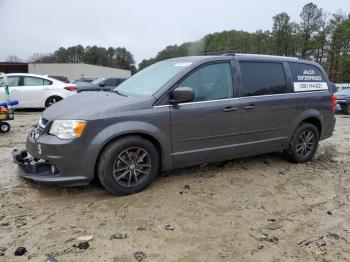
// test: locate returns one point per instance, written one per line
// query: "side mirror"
(102, 84)
(182, 95)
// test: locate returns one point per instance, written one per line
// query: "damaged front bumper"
(42, 171)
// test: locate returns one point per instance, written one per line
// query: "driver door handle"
(230, 109)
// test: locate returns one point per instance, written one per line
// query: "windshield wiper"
(119, 93)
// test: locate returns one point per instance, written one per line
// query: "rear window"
(307, 78)
(35, 81)
(262, 78)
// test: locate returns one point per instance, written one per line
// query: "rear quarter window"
(262, 78)
(307, 78)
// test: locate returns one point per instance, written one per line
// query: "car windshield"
(97, 81)
(344, 92)
(149, 80)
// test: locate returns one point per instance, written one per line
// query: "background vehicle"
(183, 112)
(82, 81)
(36, 91)
(63, 79)
(343, 101)
(101, 84)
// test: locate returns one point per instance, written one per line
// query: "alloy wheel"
(132, 166)
(305, 143)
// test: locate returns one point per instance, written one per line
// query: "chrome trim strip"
(209, 101)
(246, 97)
(161, 106)
(201, 150)
(201, 102)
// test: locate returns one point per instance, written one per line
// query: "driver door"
(207, 128)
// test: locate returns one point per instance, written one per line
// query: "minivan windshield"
(344, 92)
(149, 80)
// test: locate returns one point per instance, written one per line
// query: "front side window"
(211, 82)
(262, 78)
(35, 81)
(11, 80)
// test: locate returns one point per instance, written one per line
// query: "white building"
(76, 70)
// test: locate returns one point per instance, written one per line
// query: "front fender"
(128, 128)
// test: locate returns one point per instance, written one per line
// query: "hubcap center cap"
(132, 166)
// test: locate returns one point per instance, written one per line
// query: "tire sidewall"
(112, 152)
(2, 125)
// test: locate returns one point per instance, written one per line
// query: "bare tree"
(13, 59)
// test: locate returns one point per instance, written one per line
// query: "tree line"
(318, 36)
(118, 57)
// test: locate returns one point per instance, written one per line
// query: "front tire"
(128, 165)
(303, 144)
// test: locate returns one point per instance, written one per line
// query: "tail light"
(334, 103)
(71, 88)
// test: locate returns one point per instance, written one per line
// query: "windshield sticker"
(309, 86)
(183, 64)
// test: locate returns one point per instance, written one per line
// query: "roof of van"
(228, 56)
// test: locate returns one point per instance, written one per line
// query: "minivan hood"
(95, 105)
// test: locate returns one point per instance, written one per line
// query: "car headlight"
(67, 129)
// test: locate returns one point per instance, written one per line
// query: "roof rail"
(226, 52)
(271, 56)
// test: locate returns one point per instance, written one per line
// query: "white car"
(35, 91)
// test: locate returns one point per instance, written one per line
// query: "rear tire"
(303, 144)
(128, 165)
(52, 100)
(5, 127)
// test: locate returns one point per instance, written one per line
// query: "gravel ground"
(254, 209)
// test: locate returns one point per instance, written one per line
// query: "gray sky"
(143, 27)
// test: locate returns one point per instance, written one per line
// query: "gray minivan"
(182, 112)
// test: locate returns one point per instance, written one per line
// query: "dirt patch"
(255, 209)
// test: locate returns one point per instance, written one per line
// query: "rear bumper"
(44, 171)
(328, 127)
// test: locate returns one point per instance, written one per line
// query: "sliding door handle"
(230, 109)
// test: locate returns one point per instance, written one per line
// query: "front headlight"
(67, 129)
